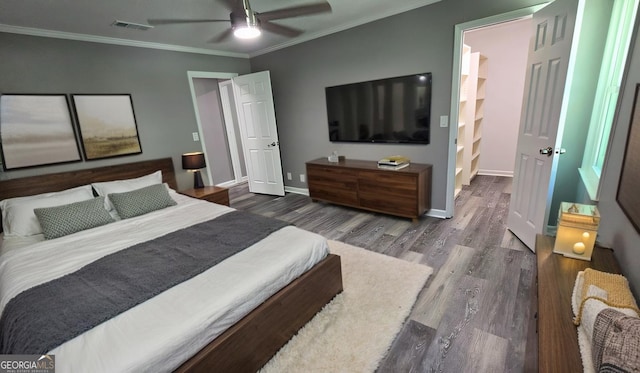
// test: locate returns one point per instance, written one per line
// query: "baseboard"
(495, 173)
(294, 190)
(440, 214)
(551, 230)
(227, 184)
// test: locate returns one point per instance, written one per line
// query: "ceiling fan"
(247, 23)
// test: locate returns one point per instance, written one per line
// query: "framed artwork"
(107, 125)
(36, 130)
(628, 197)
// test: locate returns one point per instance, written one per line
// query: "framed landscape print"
(36, 130)
(628, 196)
(107, 125)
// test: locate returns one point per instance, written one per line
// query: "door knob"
(548, 151)
(273, 144)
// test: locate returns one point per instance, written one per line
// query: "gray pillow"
(62, 220)
(141, 201)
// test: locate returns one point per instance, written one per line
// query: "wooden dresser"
(558, 349)
(361, 184)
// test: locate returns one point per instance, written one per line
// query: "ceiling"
(91, 20)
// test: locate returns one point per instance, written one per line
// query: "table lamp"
(194, 162)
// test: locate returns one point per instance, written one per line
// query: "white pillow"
(127, 185)
(18, 218)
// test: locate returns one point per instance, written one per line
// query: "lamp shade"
(193, 161)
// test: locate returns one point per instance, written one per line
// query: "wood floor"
(474, 313)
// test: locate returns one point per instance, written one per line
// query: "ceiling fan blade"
(279, 29)
(175, 21)
(295, 11)
(222, 37)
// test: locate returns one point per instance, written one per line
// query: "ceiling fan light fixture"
(246, 32)
(245, 25)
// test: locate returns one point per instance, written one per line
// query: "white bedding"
(163, 332)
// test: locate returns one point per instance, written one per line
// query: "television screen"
(393, 110)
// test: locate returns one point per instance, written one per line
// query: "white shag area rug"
(356, 329)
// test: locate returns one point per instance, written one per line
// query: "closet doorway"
(491, 85)
(218, 127)
(503, 42)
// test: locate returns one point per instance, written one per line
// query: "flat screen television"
(392, 110)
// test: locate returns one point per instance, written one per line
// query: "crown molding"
(115, 41)
(360, 21)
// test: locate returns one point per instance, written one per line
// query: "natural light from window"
(617, 46)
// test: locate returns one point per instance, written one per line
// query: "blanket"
(616, 342)
(45, 316)
(616, 287)
(590, 305)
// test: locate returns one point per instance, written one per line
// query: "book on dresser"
(394, 162)
(393, 167)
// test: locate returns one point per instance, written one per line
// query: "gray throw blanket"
(45, 316)
(616, 342)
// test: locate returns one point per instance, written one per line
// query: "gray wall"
(616, 230)
(156, 79)
(417, 41)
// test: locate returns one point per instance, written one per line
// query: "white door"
(541, 123)
(257, 119)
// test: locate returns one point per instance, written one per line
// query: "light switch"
(444, 121)
(196, 137)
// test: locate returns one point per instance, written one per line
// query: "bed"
(191, 326)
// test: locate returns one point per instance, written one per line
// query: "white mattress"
(163, 332)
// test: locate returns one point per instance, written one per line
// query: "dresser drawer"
(388, 182)
(384, 202)
(213, 194)
(219, 198)
(338, 185)
(331, 176)
(337, 195)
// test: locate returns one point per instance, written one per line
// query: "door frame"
(455, 88)
(208, 75)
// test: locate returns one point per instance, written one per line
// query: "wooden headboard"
(31, 185)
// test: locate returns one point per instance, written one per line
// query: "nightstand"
(213, 194)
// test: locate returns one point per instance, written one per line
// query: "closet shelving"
(473, 81)
(462, 118)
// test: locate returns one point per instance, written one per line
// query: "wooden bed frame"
(252, 341)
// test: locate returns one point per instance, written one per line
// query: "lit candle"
(579, 248)
(585, 236)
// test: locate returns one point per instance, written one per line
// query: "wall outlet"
(196, 136)
(303, 178)
(444, 121)
(288, 175)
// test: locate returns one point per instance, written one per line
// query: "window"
(617, 46)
